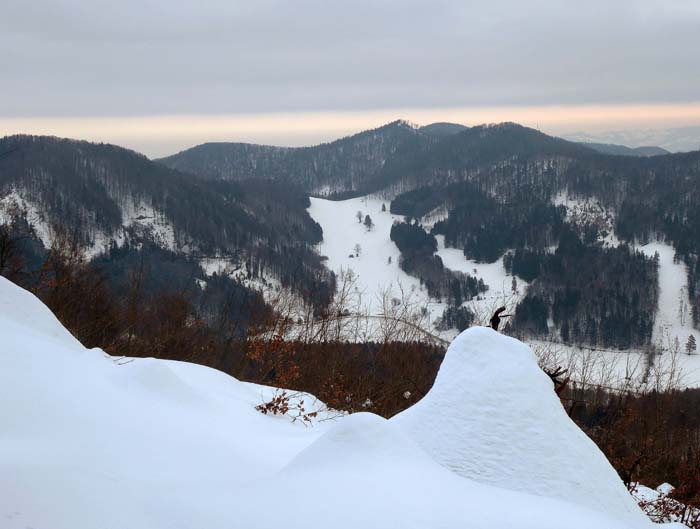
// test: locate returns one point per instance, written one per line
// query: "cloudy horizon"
(159, 80)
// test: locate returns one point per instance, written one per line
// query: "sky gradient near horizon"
(159, 76)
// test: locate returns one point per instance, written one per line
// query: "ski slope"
(92, 441)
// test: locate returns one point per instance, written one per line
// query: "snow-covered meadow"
(88, 440)
(376, 269)
(376, 265)
(374, 274)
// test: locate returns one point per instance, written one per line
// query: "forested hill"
(398, 154)
(399, 157)
(108, 197)
(493, 191)
(567, 220)
(500, 190)
(346, 166)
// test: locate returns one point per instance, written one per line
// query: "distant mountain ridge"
(371, 160)
(622, 150)
(347, 165)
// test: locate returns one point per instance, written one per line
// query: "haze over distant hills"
(679, 139)
(622, 150)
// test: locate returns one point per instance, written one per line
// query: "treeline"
(418, 259)
(98, 191)
(593, 295)
(650, 438)
(349, 166)
(139, 300)
(485, 227)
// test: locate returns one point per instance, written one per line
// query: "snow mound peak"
(23, 313)
(493, 416)
(81, 429)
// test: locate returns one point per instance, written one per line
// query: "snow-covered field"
(374, 274)
(89, 441)
(674, 318)
(500, 292)
(377, 268)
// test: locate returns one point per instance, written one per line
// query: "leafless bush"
(662, 507)
(290, 405)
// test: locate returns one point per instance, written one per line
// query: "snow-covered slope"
(89, 442)
(372, 268)
(492, 416)
(376, 269)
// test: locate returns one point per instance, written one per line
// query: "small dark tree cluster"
(417, 258)
(593, 295)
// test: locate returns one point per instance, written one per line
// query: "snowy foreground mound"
(88, 442)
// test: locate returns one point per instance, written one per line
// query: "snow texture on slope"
(91, 442)
(366, 473)
(492, 416)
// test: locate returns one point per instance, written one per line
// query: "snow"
(93, 441)
(584, 211)
(492, 416)
(494, 275)
(674, 317)
(138, 215)
(14, 202)
(672, 324)
(657, 504)
(608, 367)
(372, 271)
(144, 217)
(374, 274)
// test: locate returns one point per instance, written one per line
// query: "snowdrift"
(492, 416)
(90, 442)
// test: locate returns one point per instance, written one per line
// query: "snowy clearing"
(94, 441)
(500, 292)
(372, 269)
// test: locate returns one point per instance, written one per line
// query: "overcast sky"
(110, 64)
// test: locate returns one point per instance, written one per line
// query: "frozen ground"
(91, 441)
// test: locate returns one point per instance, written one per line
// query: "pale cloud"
(162, 135)
(140, 58)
